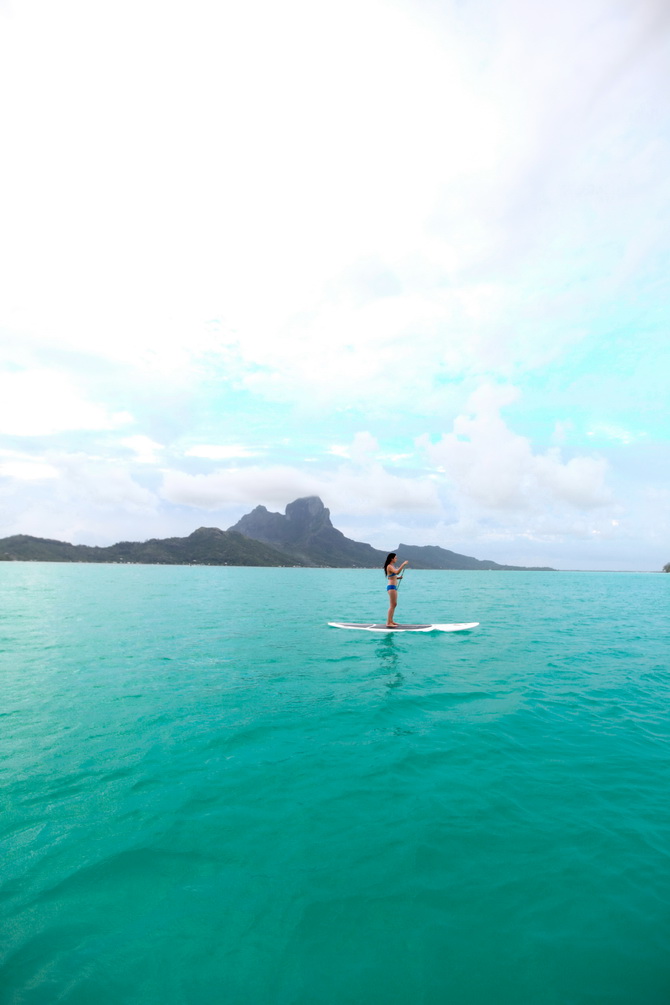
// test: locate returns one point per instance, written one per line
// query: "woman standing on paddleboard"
(391, 571)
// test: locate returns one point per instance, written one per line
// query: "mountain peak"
(305, 531)
(308, 510)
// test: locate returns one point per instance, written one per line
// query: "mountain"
(431, 557)
(205, 546)
(305, 531)
(303, 536)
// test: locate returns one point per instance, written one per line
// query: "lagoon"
(209, 795)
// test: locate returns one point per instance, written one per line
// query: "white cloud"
(385, 353)
(106, 484)
(374, 490)
(353, 489)
(221, 489)
(154, 262)
(496, 468)
(581, 481)
(25, 468)
(83, 498)
(146, 450)
(446, 152)
(361, 450)
(44, 402)
(220, 452)
(364, 448)
(562, 431)
(617, 433)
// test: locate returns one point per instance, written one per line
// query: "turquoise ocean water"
(209, 796)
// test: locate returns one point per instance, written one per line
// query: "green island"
(301, 537)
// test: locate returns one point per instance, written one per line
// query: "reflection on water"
(387, 651)
(389, 657)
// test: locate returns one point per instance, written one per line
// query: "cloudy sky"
(409, 255)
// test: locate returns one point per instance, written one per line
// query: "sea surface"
(209, 796)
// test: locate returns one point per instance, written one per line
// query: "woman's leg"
(393, 600)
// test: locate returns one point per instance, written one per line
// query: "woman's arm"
(396, 570)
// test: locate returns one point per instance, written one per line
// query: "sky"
(412, 256)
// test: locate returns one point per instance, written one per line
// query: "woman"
(391, 571)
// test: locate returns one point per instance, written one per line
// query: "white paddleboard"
(368, 627)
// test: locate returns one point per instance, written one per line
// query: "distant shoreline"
(309, 568)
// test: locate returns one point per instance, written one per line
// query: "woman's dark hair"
(389, 558)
